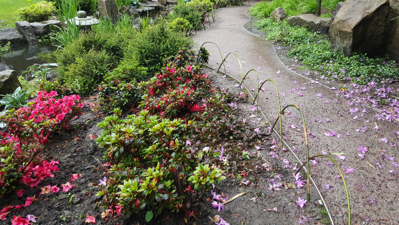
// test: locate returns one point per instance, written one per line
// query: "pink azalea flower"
(90, 219)
(330, 134)
(31, 218)
(301, 202)
(118, 210)
(319, 95)
(328, 187)
(385, 140)
(19, 221)
(66, 187)
(75, 176)
(54, 189)
(341, 157)
(20, 192)
(362, 149)
(349, 170)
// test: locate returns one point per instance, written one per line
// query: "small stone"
(82, 14)
(279, 14)
(76, 200)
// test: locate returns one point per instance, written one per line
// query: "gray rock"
(108, 9)
(163, 2)
(392, 31)
(359, 26)
(337, 8)
(11, 35)
(132, 11)
(279, 14)
(137, 23)
(123, 9)
(145, 10)
(310, 21)
(82, 14)
(156, 5)
(8, 82)
(43, 28)
(27, 31)
(171, 2)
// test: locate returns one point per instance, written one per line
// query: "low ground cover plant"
(292, 7)
(28, 130)
(36, 12)
(314, 51)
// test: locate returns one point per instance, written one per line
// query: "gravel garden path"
(335, 125)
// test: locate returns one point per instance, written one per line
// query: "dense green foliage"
(292, 7)
(119, 90)
(36, 12)
(180, 24)
(87, 59)
(314, 51)
(90, 6)
(153, 44)
(188, 12)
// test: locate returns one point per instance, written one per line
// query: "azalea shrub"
(155, 162)
(119, 90)
(28, 130)
(178, 91)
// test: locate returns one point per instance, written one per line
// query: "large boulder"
(43, 28)
(279, 14)
(359, 26)
(310, 21)
(11, 35)
(27, 31)
(337, 8)
(108, 9)
(8, 82)
(392, 28)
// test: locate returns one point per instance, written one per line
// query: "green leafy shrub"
(156, 163)
(150, 47)
(186, 57)
(292, 7)
(15, 100)
(87, 59)
(37, 12)
(180, 25)
(119, 90)
(135, 3)
(176, 93)
(90, 6)
(188, 12)
(88, 70)
(203, 5)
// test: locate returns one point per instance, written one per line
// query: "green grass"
(292, 7)
(7, 9)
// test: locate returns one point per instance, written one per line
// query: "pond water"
(23, 56)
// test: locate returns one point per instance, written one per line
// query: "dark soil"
(78, 153)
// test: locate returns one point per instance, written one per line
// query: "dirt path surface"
(373, 184)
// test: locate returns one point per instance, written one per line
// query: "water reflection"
(23, 56)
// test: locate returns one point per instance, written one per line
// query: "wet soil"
(78, 153)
